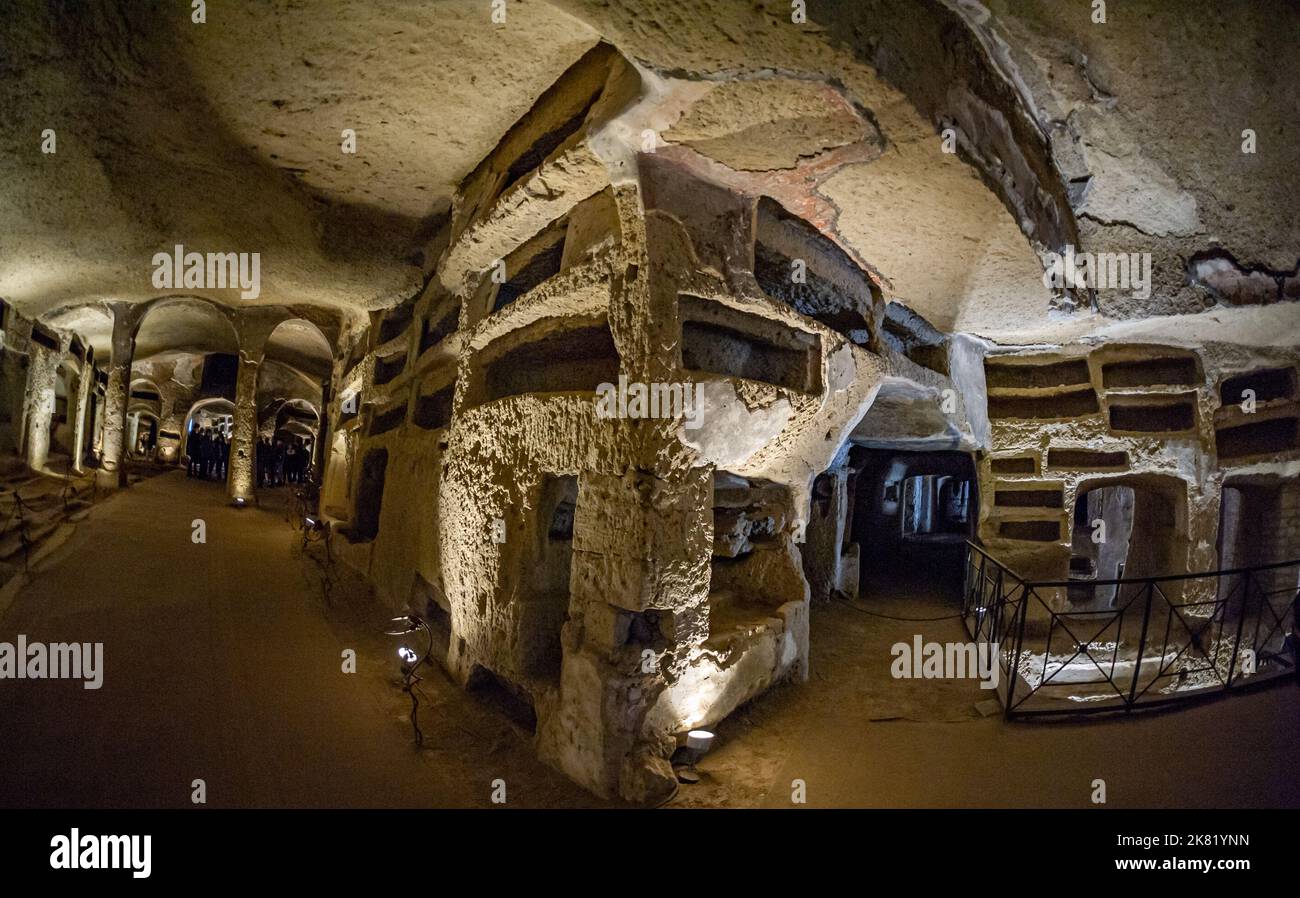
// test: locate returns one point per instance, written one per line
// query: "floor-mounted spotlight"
(689, 753)
(400, 626)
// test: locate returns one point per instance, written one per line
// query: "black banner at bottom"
(401, 848)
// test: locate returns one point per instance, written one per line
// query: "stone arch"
(138, 416)
(294, 373)
(1144, 533)
(179, 322)
(286, 411)
(299, 343)
(212, 402)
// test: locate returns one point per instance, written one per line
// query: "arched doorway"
(141, 434)
(287, 435)
(296, 366)
(912, 514)
(208, 419)
(62, 423)
(1124, 529)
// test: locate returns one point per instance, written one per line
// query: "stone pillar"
(824, 535)
(112, 473)
(240, 477)
(41, 375)
(320, 453)
(638, 610)
(85, 384)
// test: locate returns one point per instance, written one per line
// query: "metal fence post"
(1241, 622)
(1014, 673)
(1142, 647)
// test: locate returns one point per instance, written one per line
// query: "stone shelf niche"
(718, 339)
(395, 323)
(1173, 414)
(387, 369)
(1086, 459)
(1258, 438)
(389, 419)
(548, 356)
(1039, 389)
(1031, 531)
(433, 408)
(1016, 464)
(1179, 371)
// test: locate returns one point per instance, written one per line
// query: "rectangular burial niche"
(749, 575)
(1026, 376)
(544, 582)
(1157, 417)
(1030, 531)
(387, 369)
(433, 409)
(1265, 437)
(387, 420)
(395, 323)
(369, 496)
(438, 327)
(536, 261)
(1086, 459)
(1266, 384)
(578, 357)
(717, 339)
(913, 512)
(1167, 371)
(1020, 464)
(907, 332)
(1029, 498)
(790, 256)
(1071, 404)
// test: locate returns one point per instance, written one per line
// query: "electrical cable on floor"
(677, 787)
(913, 620)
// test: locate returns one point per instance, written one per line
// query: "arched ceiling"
(185, 326)
(301, 345)
(225, 136)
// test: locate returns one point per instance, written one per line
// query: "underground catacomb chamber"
(401, 413)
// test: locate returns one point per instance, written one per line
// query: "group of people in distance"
(278, 462)
(209, 454)
(282, 462)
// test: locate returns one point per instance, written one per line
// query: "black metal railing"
(1077, 646)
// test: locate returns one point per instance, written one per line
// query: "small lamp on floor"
(689, 753)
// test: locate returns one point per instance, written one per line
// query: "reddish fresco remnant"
(795, 189)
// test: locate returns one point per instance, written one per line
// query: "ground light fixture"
(690, 752)
(400, 626)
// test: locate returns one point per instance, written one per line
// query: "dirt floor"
(223, 661)
(857, 737)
